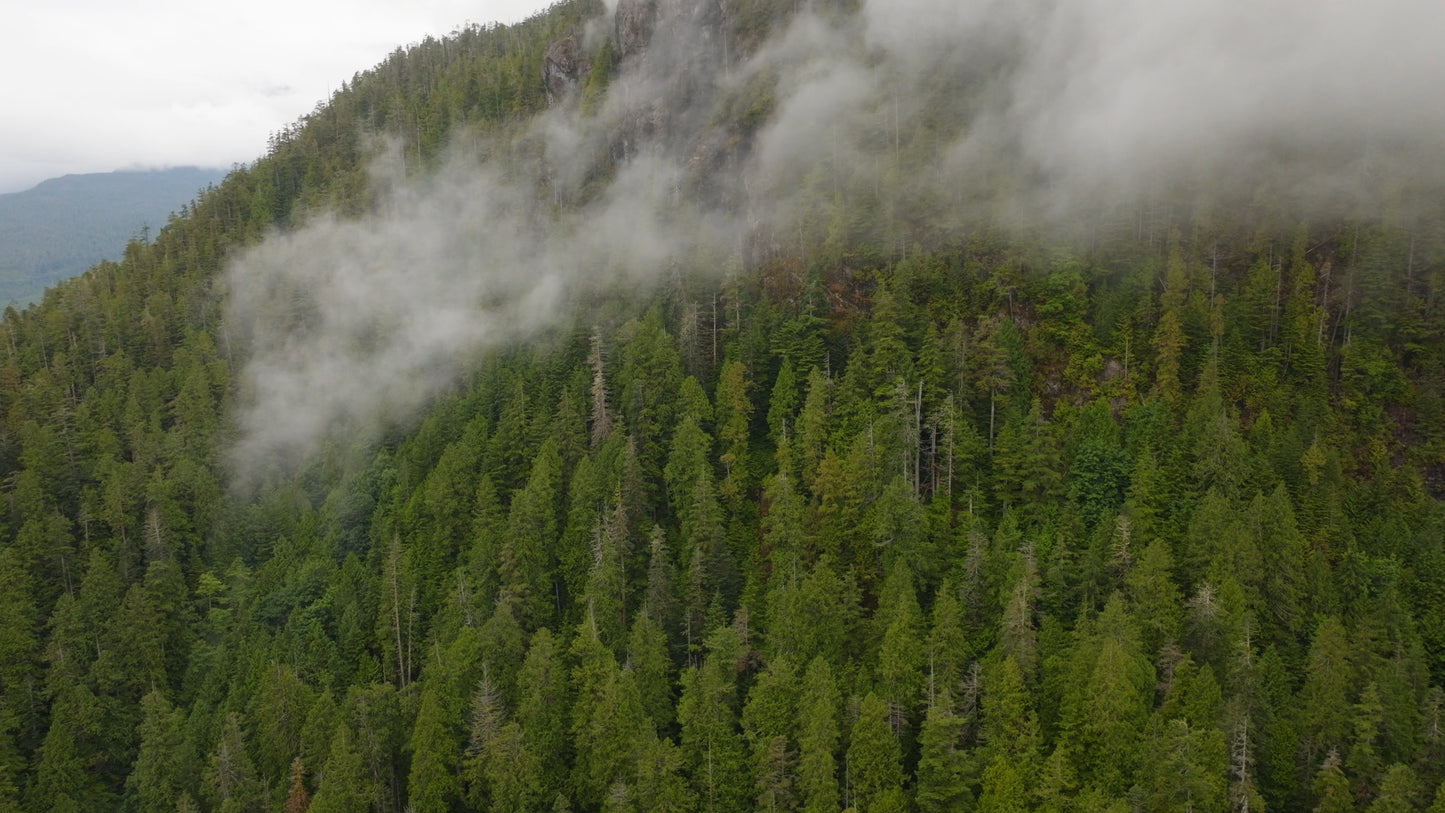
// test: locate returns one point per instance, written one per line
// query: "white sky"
(96, 85)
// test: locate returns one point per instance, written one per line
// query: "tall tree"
(875, 769)
(818, 738)
(435, 758)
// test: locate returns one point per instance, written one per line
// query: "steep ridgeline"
(699, 405)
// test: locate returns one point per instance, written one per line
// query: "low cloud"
(354, 324)
(906, 121)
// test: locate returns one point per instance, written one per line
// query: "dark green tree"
(875, 769)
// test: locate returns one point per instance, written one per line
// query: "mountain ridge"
(62, 226)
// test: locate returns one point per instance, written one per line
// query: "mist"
(353, 325)
(912, 121)
(1037, 111)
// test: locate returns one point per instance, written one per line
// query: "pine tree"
(1439, 804)
(772, 707)
(1154, 597)
(875, 770)
(1105, 720)
(229, 781)
(1188, 767)
(1010, 726)
(166, 765)
(688, 460)
(818, 738)
(660, 601)
(601, 419)
(773, 772)
(1322, 704)
(783, 404)
(941, 778)
(1018, 638)
(1003, 790)
(297, 799)
(277, 714)
(901, 653)
(707, 715)
(607, 583)
(61, 779)
(593, 683)
(511, 771)
(1400, 791)
(526, 556)
(812, 429)
(947, 647)
(435, 758)
(1332, 789)
(1363, 758)
(652, 670)
(616, 737)
(660, 785)
(20, 649)
(344, 784)
(317, 732)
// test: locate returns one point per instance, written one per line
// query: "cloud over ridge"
(920, 117)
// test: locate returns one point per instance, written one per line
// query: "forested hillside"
(65, 225)
(703, 466)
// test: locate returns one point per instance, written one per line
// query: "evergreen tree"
(818, 738)
(652, 670)
(941, 778)
(1151, 525)
(1323, 699)
(947, 646)
(1331, 788)
(435, 758)
(344, 783)
(1003, 790)
(1400, 791)
(229, 781)
(20, 649)
(875, 770)
(531, 533)
(1104, 721)
(1010, 727)
(734, 412)
(900, 653)
(167, 765)
(707, 715)
(772, 708)
(1154, 597)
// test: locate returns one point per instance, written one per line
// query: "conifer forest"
(731, 405)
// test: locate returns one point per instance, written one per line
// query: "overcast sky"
(95, 86)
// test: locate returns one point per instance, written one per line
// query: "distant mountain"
(65, 225)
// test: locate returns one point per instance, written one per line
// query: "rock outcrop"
(563, 68)
(633, 26)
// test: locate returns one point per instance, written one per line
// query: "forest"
(867, 510)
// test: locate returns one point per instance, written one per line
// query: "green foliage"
(344, 783)
(432, 784)
(1068, 534)
(875, 767)
(818, 738)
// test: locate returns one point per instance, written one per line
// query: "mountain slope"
(560, 418)
(65, 225)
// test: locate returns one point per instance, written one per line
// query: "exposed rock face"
(563, 67)
(671, 54)
(634, 22)
(706, 15)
